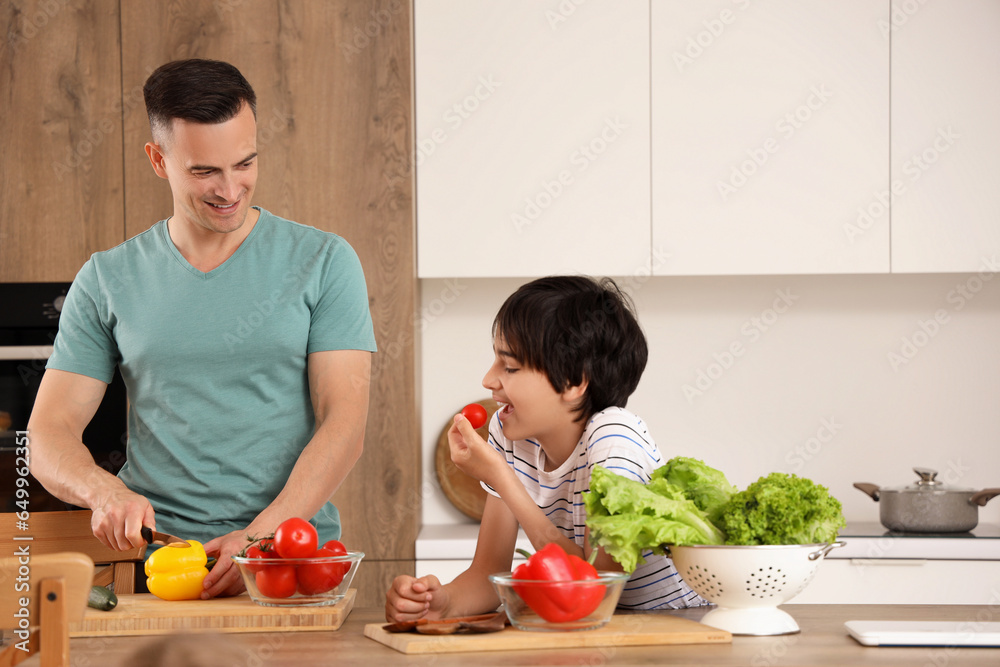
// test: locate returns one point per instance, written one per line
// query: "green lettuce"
(782, 509)
(626, 517)
(707, 487)
(687, 502)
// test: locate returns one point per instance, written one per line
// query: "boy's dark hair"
(574, 328)
(196, 90)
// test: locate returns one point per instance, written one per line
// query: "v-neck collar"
(205, 275)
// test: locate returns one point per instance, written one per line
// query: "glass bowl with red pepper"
(554, 590)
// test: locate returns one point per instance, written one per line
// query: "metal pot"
(928, 506)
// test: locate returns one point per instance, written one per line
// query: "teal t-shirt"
(215, 363)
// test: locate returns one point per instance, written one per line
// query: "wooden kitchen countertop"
(823, 641)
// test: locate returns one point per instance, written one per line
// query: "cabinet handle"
(19, 352)
(888, 561)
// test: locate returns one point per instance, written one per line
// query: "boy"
(568, 354)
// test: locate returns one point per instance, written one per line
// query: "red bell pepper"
(555, 602)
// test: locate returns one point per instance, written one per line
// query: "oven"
(29, 320)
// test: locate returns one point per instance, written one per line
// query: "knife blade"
(162, 539)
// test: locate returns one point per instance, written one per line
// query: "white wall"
(815, 390)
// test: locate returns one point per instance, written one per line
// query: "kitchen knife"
(162, 539)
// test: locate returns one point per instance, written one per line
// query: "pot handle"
(825, 550)
(871, 489)
(982, 497)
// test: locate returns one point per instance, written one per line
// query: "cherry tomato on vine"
(475, 413)
(257, 554)
(295, 538)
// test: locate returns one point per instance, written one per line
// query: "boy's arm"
(471, 592)
(477, 458)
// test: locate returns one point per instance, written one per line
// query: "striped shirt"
(619, 441)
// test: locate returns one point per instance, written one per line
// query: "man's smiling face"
(212, 171)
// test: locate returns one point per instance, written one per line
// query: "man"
(244, 341)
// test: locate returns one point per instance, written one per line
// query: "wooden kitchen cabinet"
(945, 136)
(770, 132)
(334, 88)
(532, 137)
(61, 138)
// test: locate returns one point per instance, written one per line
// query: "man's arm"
(65, 404)
(338, 388)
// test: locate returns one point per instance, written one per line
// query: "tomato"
(276, 581)
(317, 578)
(475, 413)
(256, 553)
(295, 538)
(338, 549)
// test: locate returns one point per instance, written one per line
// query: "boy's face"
(530, 406)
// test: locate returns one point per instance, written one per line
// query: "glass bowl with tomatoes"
(290, 569)
(544, 605)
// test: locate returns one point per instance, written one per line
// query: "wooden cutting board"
(621, 630)
(146, 614)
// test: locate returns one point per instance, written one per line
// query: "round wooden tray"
(463, 491)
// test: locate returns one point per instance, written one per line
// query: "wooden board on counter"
(146, 614)
(622, 630)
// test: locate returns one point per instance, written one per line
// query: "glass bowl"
(589, 603)
(298, 582)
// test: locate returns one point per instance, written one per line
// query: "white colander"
(749, 582)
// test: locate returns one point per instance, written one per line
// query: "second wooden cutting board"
(145, 614)
(622, 630)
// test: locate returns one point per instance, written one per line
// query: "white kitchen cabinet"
(898, 581)
(770, 136)
(945, 136)
(532, 137)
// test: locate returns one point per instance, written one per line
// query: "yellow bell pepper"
(176, 572)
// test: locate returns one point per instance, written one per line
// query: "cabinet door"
(945, 136)
(901, 581)
(60, 138)
(770, 136)
(532, 137)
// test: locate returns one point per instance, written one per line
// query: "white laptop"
(925, 633)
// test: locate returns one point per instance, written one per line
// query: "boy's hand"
(473, 455)
(410, 599)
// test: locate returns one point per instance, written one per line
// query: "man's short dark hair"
(574, 328)
(196, 90)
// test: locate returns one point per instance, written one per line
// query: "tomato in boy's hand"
(475, 413)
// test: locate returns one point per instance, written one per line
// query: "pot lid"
(927, 483)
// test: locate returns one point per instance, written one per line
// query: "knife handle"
(147, 534)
